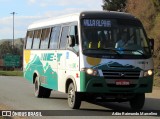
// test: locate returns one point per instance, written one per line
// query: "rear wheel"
(137, 102)
(74, 100)
(47, 93)
(41, 92)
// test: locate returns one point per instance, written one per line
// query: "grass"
(11, 73)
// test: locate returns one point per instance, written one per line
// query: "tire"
(74, 100)
(137, 102)
(47, 92)
(41, 92)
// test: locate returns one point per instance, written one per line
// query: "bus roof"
(107, 14)
(54, 21)
(77, 16)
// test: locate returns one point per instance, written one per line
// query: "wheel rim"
(71, 96)
(36, 87)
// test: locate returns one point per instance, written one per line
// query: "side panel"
(53, 68)
(72, 67)
(44, 63)
(68, 68)
(61, 70)
(26, 61)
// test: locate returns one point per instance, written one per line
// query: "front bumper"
(97, 84)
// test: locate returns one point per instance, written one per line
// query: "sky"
(29, 11)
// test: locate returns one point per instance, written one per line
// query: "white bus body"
(98, 54)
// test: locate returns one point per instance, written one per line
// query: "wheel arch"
(70, 79)
(35, 74)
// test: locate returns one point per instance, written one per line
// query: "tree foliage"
(114, 5)
(6, 47)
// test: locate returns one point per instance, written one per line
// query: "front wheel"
(137, 102)
(74, 100)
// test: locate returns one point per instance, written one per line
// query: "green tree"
(21, 46)
(114, 5)
(5, 48)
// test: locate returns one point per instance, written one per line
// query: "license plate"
(122, 83)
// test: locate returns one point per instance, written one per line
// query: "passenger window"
(36, 40)
(29, 39)
(54, 37)
(45, 38)
(64, 35)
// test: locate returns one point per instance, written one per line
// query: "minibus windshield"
(126, 38)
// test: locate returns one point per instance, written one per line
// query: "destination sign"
(96, 23)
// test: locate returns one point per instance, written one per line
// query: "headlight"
(90, 71)
(148, 73)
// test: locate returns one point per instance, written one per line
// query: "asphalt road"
(17, 93)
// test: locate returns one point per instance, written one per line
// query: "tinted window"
(29, 39)
(54, 37)
(108, 37)
(36, 40)
(64, 37)
(45, 38)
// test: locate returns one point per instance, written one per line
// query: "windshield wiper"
(135, 51)
(109, 49)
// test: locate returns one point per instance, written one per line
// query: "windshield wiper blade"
(109, 49)
(135, 51)
(90, 49)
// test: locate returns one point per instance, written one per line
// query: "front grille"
(116, 74)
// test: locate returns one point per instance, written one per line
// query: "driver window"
(74, 34)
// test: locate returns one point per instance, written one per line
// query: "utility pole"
(13, 13)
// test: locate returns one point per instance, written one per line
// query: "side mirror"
(151, 43)
(71, 41)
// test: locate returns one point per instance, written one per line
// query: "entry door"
(62, 59)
